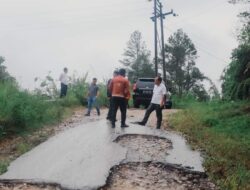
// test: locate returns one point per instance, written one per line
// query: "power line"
(205, 51)
(203, 12)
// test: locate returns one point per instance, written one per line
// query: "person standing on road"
(157, 103)
(64, 79)
(93, 93)
(109, 95)
(119, 87)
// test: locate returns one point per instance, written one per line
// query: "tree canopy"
(4, 75)
(136, 58)
(183, 76)
(236, 77)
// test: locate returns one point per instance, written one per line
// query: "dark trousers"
(119, 102)
(109, 116)
(64, 89)
(150, 109)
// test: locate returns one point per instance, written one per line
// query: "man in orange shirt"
(119, 87)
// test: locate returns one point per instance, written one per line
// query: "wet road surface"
(81, 157)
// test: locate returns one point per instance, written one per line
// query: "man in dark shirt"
(93, 93)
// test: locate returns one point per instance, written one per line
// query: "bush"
(20, 110)
(221, 129)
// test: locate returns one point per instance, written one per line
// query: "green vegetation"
(183, 76)
(23, 147)
(222, 130)
(3, 166)
(236, 77)
(22, 111)
(136, 58)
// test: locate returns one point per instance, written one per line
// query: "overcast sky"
(38, 36)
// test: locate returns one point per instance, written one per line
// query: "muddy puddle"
(155, 176)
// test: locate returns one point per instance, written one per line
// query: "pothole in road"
(155, 176)
(145, 147)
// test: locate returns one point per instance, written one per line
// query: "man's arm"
(110, 87)
(127, 90)
(87, 95)
(98, 92)
(164, 97)
(60, 78)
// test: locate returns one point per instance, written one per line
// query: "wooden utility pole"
(163, 46)
(155, 36)
(158, 13)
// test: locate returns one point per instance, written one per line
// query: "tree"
(181, 54)
(4, 75)
(136, 58)
(236, 77)
(239, 1)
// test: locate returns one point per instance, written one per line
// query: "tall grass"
(222, 130)
(21, 110)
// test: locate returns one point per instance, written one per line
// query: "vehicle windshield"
(145, 83)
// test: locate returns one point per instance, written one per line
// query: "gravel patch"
(155, 176)
(18, 185)
(145, 147)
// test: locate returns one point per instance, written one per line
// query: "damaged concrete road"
(153, 176)
(81, 157)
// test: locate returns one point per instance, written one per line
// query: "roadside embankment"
(221, 130)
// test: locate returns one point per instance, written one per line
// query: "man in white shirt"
(64, 79)
(157, 102)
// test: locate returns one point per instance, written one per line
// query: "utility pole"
(155, 36)
(163, 46)
(158, 13)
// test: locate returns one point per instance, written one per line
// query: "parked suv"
(143, 92)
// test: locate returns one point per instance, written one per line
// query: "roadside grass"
(222, 131)
(22, 111)
(4, 165)
(23, 147)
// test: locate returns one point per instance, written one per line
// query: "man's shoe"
(113, 126)
(140, 123)
(87, 114)
(123, 126)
